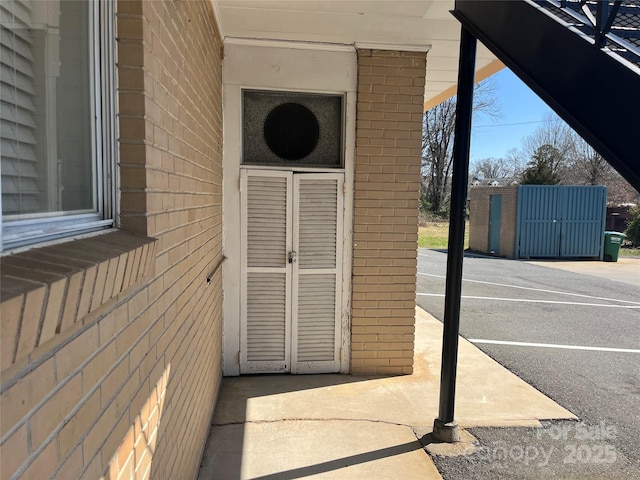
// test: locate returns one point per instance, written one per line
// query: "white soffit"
(412, 25)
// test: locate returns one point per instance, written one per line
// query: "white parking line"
(536, 289)
(524, 300)
(551, 345)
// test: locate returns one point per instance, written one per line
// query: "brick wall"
(508, 221)
(387, 183)
(121, 354)
(479, 206)
(479, 218)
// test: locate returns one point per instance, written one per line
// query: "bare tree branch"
(556, 133)
(437, 143)
(492, 168)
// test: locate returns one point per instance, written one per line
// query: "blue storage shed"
(555, 221)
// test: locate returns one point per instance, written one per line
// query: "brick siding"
(115, 355)
(47, 291)
(387, 182)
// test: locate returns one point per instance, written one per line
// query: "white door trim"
(302, 71)
(292, 272)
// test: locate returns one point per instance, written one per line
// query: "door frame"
(312, 68)
(233, 277)
(290, 364)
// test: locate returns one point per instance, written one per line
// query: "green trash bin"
(612, 242)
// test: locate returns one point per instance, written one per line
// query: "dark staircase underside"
(581, 57)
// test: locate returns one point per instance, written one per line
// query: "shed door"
(292, 258)
(582, 226)
(495, 216)
(561, 221)
(539, 217)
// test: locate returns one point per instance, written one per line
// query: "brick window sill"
(45, 291)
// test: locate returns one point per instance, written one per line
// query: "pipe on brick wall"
(215, 269)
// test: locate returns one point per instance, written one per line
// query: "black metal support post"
(602, 15)
(445, 429)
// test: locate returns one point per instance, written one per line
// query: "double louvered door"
(291, 271)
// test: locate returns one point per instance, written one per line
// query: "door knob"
(292, 257)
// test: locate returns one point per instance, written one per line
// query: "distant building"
(481, 181)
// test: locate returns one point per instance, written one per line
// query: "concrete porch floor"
(342, 427)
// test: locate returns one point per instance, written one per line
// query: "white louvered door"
(266, 274)
(316, 288)
(292, 258)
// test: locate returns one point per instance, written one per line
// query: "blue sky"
(522, 113)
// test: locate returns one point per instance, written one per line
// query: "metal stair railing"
(553, 50)
(613, 26)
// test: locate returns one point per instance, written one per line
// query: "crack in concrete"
(246, 422)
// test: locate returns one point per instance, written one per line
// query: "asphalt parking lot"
(570, 329)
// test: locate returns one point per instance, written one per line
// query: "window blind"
(21, 192)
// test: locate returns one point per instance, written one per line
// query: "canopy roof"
(422, 25)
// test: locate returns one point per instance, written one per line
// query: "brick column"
(387, 183)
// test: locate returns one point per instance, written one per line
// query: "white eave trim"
(217, 18)
(301, 45)
(400, 47)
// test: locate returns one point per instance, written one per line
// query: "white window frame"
(45, 227)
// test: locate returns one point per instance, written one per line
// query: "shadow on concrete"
(231, 416)
(344, 462)
(294, 426)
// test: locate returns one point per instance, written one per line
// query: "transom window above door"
(292, 129)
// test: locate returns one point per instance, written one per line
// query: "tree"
(633, 227)
(492, 168)
(588, 167)
(542, 169)
(513, 158)
(619, 191)
(437, 152)
(437, 143)
(556, 133)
